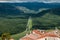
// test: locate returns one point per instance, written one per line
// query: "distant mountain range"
(32, 7)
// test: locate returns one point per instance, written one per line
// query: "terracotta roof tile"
(48, 35)
(37, 32)
(26, 38)
(32, 36)
(41, 35)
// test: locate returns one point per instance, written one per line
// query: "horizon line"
(26, 1)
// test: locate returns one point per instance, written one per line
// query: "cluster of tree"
(12, 26)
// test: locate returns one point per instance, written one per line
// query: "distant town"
(42, 35)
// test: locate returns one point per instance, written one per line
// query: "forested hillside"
(14, 20)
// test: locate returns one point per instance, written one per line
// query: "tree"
(5, 36)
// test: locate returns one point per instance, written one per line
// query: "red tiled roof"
(26, 38)
(33, 36)
(41, 35)
(37, 32)
(48, 35)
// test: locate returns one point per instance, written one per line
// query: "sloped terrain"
(14, 20)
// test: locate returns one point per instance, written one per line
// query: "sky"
(45, 1)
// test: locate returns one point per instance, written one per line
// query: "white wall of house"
(53, 38)
(49, 38)
(41, 39)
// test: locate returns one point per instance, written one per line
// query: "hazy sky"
(45, 1)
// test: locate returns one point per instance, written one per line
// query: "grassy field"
(18, 36)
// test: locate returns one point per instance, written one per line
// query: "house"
(34, 35)
(49, 36)
(41, 35)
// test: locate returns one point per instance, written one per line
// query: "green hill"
(46, 19)
(42, 20)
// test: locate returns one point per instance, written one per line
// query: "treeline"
(12, 26)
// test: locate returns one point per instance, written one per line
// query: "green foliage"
(5, 36)
(12, 26)
(18, 25)
(47, 21)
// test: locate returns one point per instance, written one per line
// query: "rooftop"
(37, 34)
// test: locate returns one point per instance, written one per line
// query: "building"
(49, 36)
(41, 35)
